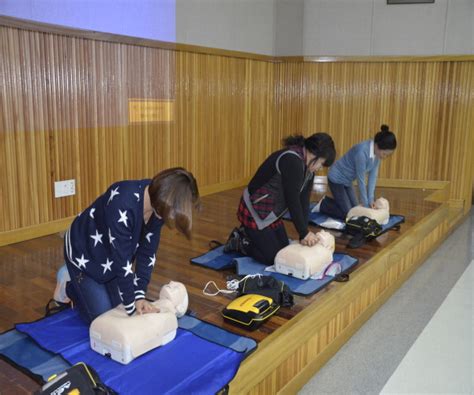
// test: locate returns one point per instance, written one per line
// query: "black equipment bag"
(362, 229)
(365, 226)
(268, 286)
(80, 378)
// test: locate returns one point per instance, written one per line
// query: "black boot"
(238, 241)
(244, 245)
(232, 243)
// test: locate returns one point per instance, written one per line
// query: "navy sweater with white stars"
(109, 236)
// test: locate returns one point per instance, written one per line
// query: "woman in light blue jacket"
(362, 159)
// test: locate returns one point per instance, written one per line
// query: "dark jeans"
(89, 297)
(344, 199)
(265, 243)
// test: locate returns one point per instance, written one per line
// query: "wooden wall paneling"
(261, 138)
(210, 113)
(186, 136)
(25, 143)
(28, 171)
(7, 139)
(42, 158)
(65, 115)
(422, 103)
(198, 118)
(135, 137)
(461, 132)
(77, 147)
(43, 126)
(289, 114)
(3, 163)
(64, 141)
(100, 152)
(183, 135)
(15, 190)
(227, 119)
(161, 149)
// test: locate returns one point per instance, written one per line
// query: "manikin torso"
(381, 212)
(123, 337)
(303, 261)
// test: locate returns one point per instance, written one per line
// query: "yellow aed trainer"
(250, 311)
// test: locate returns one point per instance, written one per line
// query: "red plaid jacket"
(246, 219)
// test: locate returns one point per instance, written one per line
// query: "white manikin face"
(382, 203)
(326, 239)
(176, 293)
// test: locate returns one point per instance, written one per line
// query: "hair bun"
(384, 128)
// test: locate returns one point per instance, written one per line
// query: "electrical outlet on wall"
(64, 188)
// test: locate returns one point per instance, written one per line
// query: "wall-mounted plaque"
(149, 110)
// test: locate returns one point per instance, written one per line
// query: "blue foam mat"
(319, 218)
(202, 359)
(24, 351)
(246, 265)
(217, 259)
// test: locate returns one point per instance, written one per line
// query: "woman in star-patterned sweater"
(120, 229)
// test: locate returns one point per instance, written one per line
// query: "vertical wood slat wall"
(428, 104)
(64, 114)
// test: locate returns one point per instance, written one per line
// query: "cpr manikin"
(381, 211)
(123, 338)
(304, 262)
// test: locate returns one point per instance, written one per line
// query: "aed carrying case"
(78, 379)
(250, 311)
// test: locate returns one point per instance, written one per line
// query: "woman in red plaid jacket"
(282, 182)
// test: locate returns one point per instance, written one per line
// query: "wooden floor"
(28, 269)
(28, 273)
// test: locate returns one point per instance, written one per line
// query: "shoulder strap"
(284, 153)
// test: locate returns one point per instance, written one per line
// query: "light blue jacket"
(354, 165)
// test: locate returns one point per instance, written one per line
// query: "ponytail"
(385, 139)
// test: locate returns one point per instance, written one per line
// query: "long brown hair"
(173, 193)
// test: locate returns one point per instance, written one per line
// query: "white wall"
(328, 27)
(289, 16)
(371, 27)
(240, 25)
(459, 36)
(273, 27)
(153, 19)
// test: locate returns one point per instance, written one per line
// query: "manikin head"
(175, 297)
(326, 239)
(381, 204)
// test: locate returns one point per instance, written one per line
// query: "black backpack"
(363, 229)
(267, 286)
(366, 226)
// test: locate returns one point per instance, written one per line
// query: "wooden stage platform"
(294, 344)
